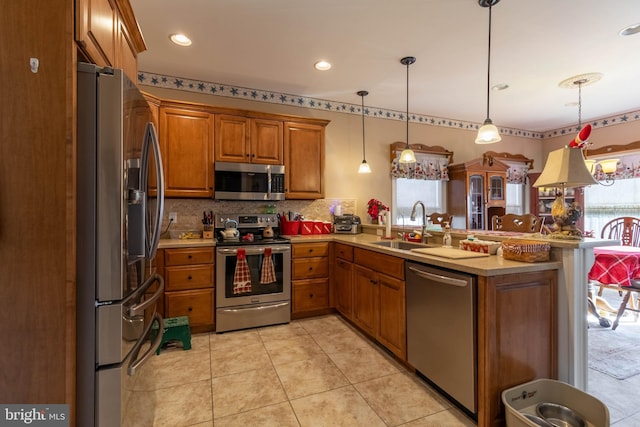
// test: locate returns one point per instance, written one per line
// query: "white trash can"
(524, 398)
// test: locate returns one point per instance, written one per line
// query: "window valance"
(628, 156)
(519, 165)
(431, 162)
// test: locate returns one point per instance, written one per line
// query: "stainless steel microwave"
(248, 181)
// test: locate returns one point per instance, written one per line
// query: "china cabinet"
(542, 199)
(476, 192)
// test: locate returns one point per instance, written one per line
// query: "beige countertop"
(486, 266)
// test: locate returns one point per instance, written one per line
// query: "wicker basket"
(526, 250)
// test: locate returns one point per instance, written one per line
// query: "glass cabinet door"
(476, 202)
(496, 188)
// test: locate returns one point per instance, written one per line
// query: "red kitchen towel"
(242, 276)
(268, 273)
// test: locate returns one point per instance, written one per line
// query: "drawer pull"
(310, 296)
(373, 282)
(310, 268)
(189, 256)
(189, 278)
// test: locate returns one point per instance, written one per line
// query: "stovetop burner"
(257, 240)
(250, 227)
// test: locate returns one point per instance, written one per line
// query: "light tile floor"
(312, 372)
(620, 396)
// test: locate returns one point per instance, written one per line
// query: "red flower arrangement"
(374, 207)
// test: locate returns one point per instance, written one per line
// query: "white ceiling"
(272, 45)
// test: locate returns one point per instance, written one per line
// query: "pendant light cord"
(364, 156)
(489, 60)
(408, 63)
(579, 104)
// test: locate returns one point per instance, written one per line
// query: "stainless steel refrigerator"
(120, 201)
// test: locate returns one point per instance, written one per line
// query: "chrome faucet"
(424, 234)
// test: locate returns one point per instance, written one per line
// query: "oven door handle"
(257, 250)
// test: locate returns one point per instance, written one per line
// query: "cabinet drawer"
(306, 250)
(386, 264)
(344, 251)
(188, 277)
(188, 256)
(310, 295)
(307, 268)
(198, 305)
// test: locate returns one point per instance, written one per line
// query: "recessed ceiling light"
(630, 30)
(500, 86)
(322, 65)
(180, 39)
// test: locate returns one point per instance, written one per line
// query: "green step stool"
(175, 329)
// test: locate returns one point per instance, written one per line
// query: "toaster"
(347, 224)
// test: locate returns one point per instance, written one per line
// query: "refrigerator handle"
(139, 308)
(151, 142)
(136, 362)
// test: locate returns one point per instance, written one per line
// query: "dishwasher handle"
(439, 278)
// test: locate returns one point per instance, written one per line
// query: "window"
(515, 198)
(602, 203)
(406, 192)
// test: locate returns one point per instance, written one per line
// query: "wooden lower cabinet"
(379, 299)
(189, 286)
(343, 286)
(517, 336)
(197, 304)
(311, 294)
(310, 279)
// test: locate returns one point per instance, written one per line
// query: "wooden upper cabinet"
(304, 160)
(108, 34)
(246, 140)
(186, 141)
(232, 138)
(267, 146)
(96, 25)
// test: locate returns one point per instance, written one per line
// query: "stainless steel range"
(253, 272)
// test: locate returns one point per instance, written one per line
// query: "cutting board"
(449, 253)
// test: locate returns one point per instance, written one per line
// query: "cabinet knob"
(373, 282)
(310, 268)
(189, 256)
(190, 309)
(310, 295)
(189, 278)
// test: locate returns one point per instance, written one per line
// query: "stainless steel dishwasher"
(441, 330)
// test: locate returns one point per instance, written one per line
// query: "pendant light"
(364, 166)
(608, 166)
(407, 155)
(488, 133)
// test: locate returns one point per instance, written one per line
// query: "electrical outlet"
(173, 217)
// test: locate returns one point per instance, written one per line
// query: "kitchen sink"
(403, 245)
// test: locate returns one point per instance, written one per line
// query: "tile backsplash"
(189, 211)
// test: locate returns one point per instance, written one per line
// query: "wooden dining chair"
(627, 230)
(440, 218)
(527, 223)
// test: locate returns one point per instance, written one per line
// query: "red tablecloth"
(615, 265)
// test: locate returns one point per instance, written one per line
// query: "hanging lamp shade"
(565, 168)
(488, 132)
(364, 166)
(407, 155)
